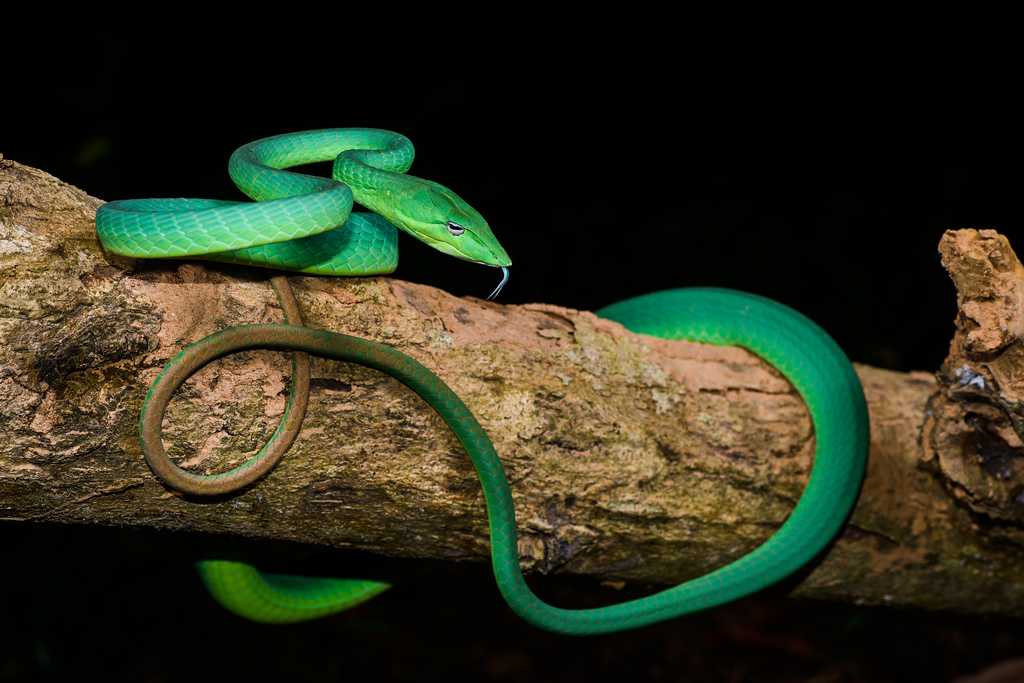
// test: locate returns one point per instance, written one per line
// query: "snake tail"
(793, 344)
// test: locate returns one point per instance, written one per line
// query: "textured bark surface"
(630, 458)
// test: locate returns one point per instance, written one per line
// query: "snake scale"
(305, 223)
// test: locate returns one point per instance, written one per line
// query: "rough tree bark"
(630, 458)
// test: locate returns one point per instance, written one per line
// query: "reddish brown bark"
(630, 458)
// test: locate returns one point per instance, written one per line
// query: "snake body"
(304, 223)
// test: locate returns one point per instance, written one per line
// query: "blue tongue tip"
(501, 285)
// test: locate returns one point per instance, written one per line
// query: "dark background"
(606, 171)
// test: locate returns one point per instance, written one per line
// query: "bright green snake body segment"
(298, 233)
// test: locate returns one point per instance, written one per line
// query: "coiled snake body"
(304, 223)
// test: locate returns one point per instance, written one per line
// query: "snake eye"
(455, 229)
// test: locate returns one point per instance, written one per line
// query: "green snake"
(305, 223)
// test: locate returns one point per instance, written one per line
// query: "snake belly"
(797, 347)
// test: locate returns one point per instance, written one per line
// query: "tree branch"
(630, 458)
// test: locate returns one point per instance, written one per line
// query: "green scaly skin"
(292, 226)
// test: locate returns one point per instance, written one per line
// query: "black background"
(606, 171)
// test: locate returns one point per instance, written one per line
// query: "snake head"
(437, 216)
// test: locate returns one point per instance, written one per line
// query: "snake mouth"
(501, 285)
